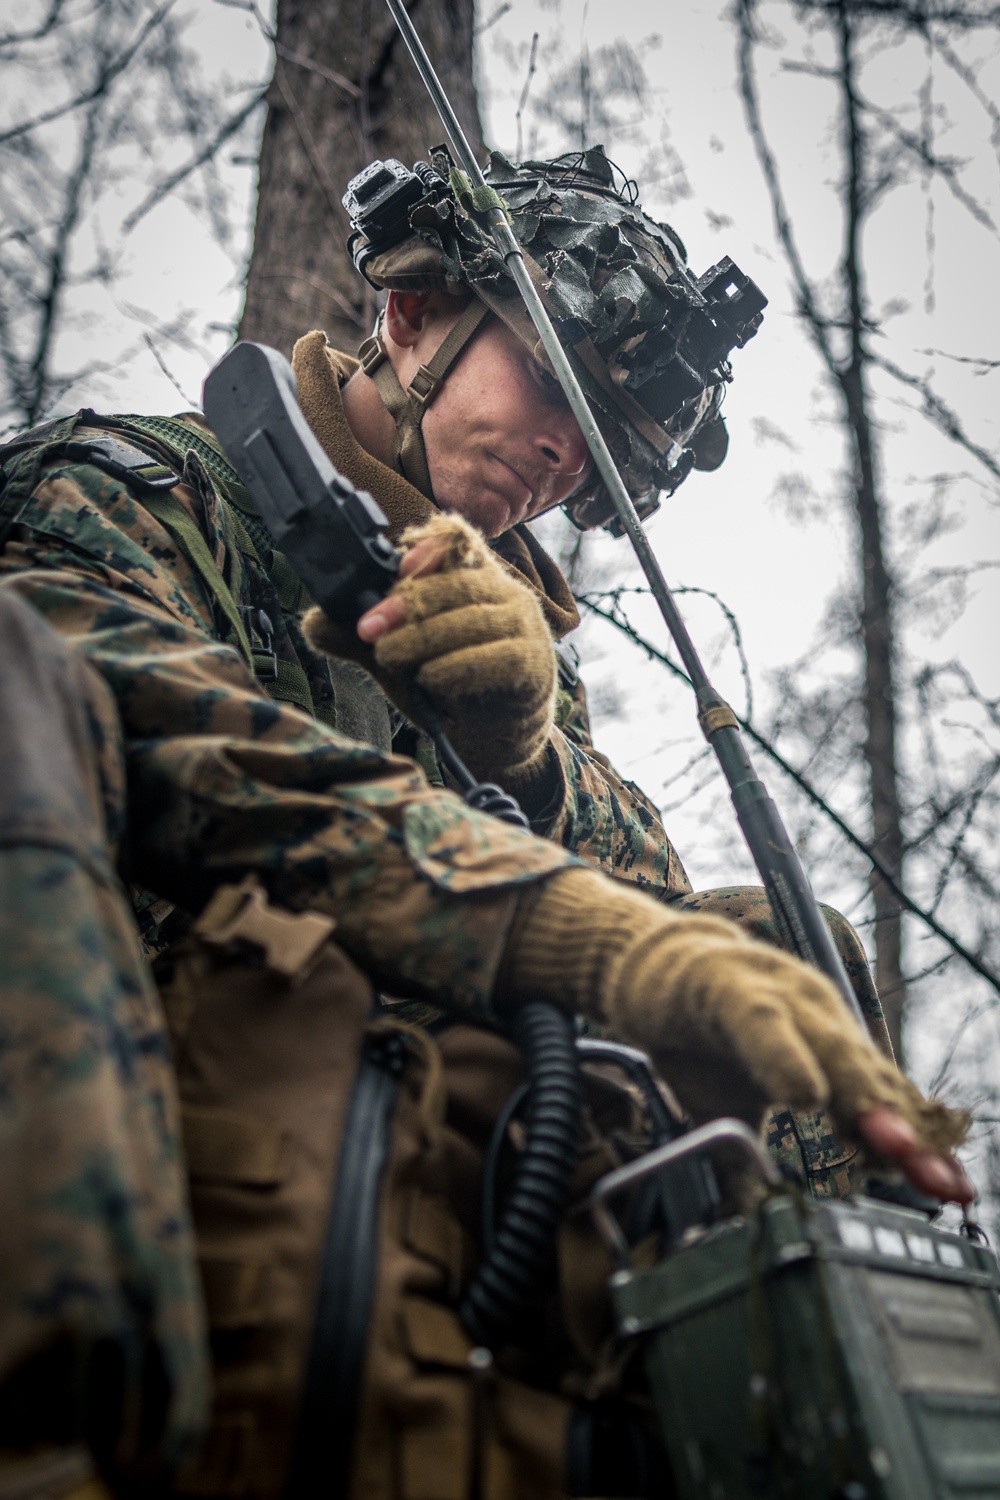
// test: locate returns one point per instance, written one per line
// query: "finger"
(436, 593)
(938, 1176)
(387, 615)
(520, 671)
(426, 593)
(887, 1133)
(450, 635)
(459, 543)
(423, 557)
(894, 1139)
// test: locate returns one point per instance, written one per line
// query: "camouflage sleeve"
(95, 1241)
(224, 781)
(599, 817)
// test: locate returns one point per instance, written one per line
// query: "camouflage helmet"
(648, 341)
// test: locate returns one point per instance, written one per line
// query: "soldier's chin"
(490, 513)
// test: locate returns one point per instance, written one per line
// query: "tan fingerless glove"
(734, 1026)
(476, 640)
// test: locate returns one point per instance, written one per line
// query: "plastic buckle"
(122, 462)
(423, 387)
(257, 622)
(372, 354)
(289, 941)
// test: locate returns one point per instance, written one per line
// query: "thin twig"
(337, 79)
(167, 372)
(166, 187)
(929, 920)
(323, 287)
(97, 89)
(524, 92)
(808, 306)
(938, 412)
(18, 38)
(305, 136)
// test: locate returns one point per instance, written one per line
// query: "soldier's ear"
(410, 317)
(405, 315)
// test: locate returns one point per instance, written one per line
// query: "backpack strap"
(172, 516)
(176, 438)
(282, 679)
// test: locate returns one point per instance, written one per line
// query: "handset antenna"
(793, 902)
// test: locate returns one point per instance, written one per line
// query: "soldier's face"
(502, 444)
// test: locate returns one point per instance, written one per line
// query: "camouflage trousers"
(805, 1144)
(100, 1312)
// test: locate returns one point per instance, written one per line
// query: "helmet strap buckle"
(372, 353)
(424, 386)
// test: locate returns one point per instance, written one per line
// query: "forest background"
(839, 570)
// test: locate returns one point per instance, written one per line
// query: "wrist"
(569, 938)
(595, 945)
(504, 737)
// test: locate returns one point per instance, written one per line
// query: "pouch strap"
(177, 438)
(141, 471)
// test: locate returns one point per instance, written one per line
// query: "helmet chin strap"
(407, 407)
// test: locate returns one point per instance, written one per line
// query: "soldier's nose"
(563, 448)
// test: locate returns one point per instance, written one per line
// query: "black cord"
(491, 1163)
(518, 1261)
(484, 796)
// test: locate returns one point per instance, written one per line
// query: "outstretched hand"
(882, 1128)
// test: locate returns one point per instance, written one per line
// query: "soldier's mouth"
(521, 503)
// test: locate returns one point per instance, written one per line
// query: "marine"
(450, 405)
(236, 754)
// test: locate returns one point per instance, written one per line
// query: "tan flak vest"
(335, 1156)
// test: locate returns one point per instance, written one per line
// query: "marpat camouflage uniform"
(594, 813)
(97, 1278)
(166, 595)
(223, 779)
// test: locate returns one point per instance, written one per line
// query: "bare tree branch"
(208, 151)
(938, 412)
(48, 25)
(98, 88)
(38, 370)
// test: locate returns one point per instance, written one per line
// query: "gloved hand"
(472, 637)
(733, 1026)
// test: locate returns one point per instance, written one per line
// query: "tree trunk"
(877, 594)
(345, 92)
(879, 699)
